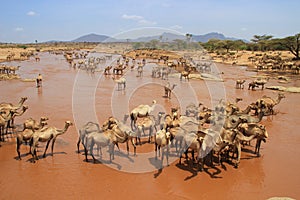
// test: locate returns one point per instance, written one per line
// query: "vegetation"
(258, 43)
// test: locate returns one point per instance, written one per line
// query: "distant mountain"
(164, 37)
(92, 38)
(212, 35)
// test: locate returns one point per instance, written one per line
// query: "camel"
(27, 134)
(191, 141)
(102, 140)
(168, 90)
(261, 82)
(162, 140)
(37, 58)
(258, 130)
(33, 124)
(185, 74)
(192, 109)
(107, 70)
(252, 85)
(121, 81)
(165, 73)
(6, 120)
(11, 106)
(46, 135)
(140, 70)
(119, 70)
(10, 123)
(268, 103)
(240, 84)
(141, 111)
(148, 123)
(85, 130)
(120, 133)
(232, 139)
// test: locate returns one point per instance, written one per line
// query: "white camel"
(121, 82)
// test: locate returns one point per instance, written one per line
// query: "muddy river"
(81, 97)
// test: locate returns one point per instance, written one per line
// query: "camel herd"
(219, 132)
(33, 131)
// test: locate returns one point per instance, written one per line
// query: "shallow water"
(67, 95)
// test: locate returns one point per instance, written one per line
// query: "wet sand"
(67, 176)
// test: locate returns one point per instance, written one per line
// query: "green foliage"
(22, 46)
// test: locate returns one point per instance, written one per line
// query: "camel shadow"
(105, 162)
(193, 168)
(187, 167)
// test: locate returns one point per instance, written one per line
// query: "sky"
(24, 21)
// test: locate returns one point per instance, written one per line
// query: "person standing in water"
(39, 81)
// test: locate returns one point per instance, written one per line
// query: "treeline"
(258, 43)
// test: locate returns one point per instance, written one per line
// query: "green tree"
(261, 40)
(292, 43)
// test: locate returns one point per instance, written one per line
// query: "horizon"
(26, 22)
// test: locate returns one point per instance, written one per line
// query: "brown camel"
(162, 140)
(240, 84)
(46, 135)
(185, 74)
(107, 70)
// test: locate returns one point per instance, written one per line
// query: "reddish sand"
(67, 176)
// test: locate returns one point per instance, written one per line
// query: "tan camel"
(261, 82)
(267, 103)
(185, 74)
(27, 133)
(121, 82)
(168, 90)
(232, 139)
(148, 123)
(162, 140)
(141, 111)
(120, 133)
(7, 118)
(240, 84)
(33, 124)
(11, 106)
(85, 130)
(46, 135)
(101, 140)
(258, 130)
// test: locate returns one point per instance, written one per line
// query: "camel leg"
(238, 151)
(78, 143)
(92, 153)
(52, 146)
(85, 153)
(18, 148)
(257, 147)
(155, 150)
(44, 155)
(134, 146)
(127, 147)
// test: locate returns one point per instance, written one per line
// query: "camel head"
(44, 118)
(68, 123)
(281, 95)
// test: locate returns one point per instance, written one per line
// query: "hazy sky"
(44, 20)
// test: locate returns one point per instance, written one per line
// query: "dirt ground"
(67, 176)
